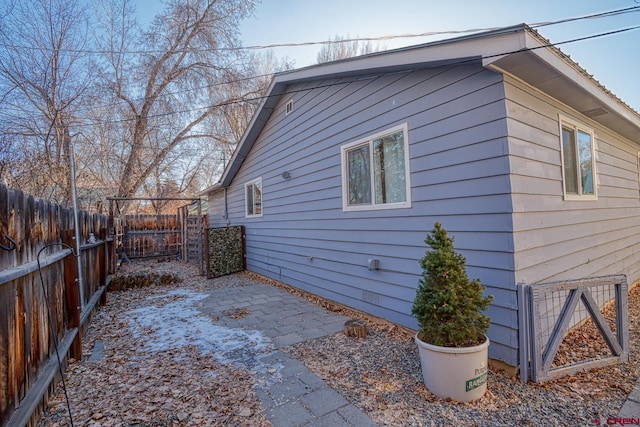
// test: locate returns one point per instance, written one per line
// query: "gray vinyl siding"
(216, 209)
(557, 239)
(459, 174)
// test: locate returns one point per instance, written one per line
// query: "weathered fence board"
(149, 235)
(31, 308)
(160, 235)
(192, 225)
(24, 413)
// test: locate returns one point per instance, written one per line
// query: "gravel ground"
(380, 374)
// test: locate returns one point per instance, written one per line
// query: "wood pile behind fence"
(28, 363)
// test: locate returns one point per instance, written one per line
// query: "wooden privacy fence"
(28, 363)
(150, 235)
(180, 236)
(192, 225)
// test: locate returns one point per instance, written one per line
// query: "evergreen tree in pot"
(452, 328)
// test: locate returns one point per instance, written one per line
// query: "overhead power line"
(447, 32)
(591, 16)
(599, 15)
(457, 63)
(388, 37)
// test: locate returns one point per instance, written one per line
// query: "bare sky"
(613, 60)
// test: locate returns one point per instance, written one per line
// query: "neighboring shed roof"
(518, 50)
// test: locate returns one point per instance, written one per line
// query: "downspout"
(226, 207)
(224, 167)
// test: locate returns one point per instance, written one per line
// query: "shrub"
(449, 306)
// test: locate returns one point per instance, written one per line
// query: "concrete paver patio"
(299, 398)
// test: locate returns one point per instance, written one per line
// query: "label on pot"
(476, 382)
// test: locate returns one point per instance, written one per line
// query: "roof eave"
(546, 68)
(210, 189)
(254, 128)
(440, 52)
(465, 49)
(518, 51)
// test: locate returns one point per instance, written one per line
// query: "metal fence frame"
(536, 355)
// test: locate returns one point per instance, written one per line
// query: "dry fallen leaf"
(245, 412)
(379, 374)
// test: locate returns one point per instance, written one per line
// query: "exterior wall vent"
(289, 107)
(595, 112)
(370, 297)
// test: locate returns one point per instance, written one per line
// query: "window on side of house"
(253, 198)
(578, 161)
(375, 171)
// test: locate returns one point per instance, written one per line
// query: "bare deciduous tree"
(231, 119)
(344, 47)
(141, 106)
(43, 73)
(167, 79)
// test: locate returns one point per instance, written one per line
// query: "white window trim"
(563, 120)
(345, 178)
(638, 166)
(246, 207)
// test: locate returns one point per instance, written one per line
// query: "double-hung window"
(253, 198)
(578, 161)
(375, 171)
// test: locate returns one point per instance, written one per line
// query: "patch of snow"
(171, 321)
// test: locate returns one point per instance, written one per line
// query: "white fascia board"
(252, 132)
(504, 45)
(483, 45)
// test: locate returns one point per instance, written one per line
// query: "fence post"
(72, 296)
(523, 330)
(113, 246)
(207, 255)
(200, 234)
(103, 257)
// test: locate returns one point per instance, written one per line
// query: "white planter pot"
(458, 373)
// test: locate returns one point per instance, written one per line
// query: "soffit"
(546, 68)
